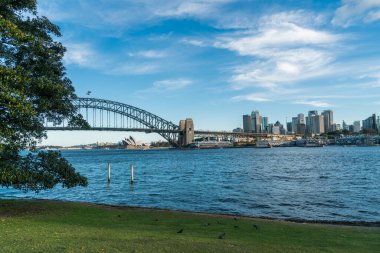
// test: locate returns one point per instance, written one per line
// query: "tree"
(33, 87)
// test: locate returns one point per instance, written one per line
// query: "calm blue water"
(330, 183)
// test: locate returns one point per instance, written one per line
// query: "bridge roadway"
(145, 130)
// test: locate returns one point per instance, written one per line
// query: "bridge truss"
(106, 115)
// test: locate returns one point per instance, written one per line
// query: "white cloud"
(256, 97)
(155, 54)
(353, 11)
(194, 8)
(315, 103)
(133, 69)
(172, 84)
(194, 42)
(282, 52)
(81, 54)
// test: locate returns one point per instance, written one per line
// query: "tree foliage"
(33, 87)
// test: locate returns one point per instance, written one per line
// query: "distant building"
(315, 123)
(270, 128)
(247, 123)
(356, 126)
(301, 118)
(295, 121)
(310, 123)
(257, 122)
(265, 125)
(318, 124)
(371, 123)
(301, 129)
(345, 126)
(238, 130)
(289, 127)
(328, 120)
(336, 127)
(276, 130)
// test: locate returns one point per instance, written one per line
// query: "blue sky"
(216, 60)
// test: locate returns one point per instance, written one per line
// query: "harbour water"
(330, 183)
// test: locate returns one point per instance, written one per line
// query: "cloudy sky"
(216, 60)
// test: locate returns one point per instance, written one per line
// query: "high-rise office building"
(310, 128)
(247, 123)
(345, 126)
(318, 124)
(289, 127)
(265, 125)
(328, 119)
(301, 129)
(257, 122)
(371, 123)
(294, 124)
(356, 126)
(301, 118)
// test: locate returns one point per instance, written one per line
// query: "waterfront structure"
(257, 122)
(247, 123)
(186, 136)
(328, 120)
(356, 126)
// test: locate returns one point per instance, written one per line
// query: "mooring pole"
(109, 172)
(132, 176)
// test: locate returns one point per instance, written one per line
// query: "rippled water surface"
(330, 183)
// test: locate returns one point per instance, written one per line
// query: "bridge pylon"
(186, 135)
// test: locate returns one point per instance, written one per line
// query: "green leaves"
(33, 87)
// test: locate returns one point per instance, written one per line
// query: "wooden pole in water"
(132, 176)
(109, 172)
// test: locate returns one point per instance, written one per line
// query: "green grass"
(48, 226)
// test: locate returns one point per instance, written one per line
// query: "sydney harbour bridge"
(106, 115)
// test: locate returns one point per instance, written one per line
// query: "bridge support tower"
(186, 135)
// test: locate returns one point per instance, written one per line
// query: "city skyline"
(211, 60)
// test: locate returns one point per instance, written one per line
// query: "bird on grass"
(180, 231)
(221, 236)
(255, 226)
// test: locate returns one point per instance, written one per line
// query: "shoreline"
(369, 224)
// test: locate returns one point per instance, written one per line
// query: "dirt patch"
(20, 208)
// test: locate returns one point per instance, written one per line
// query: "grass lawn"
(49, 226)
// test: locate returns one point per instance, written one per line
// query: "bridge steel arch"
(166, 129)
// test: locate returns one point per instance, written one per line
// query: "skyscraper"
(356, 126)
(247, 123)
(301, 118)
(256, 122)
(265, 126)
(294, 124)
(309, 122)
(328, 119)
